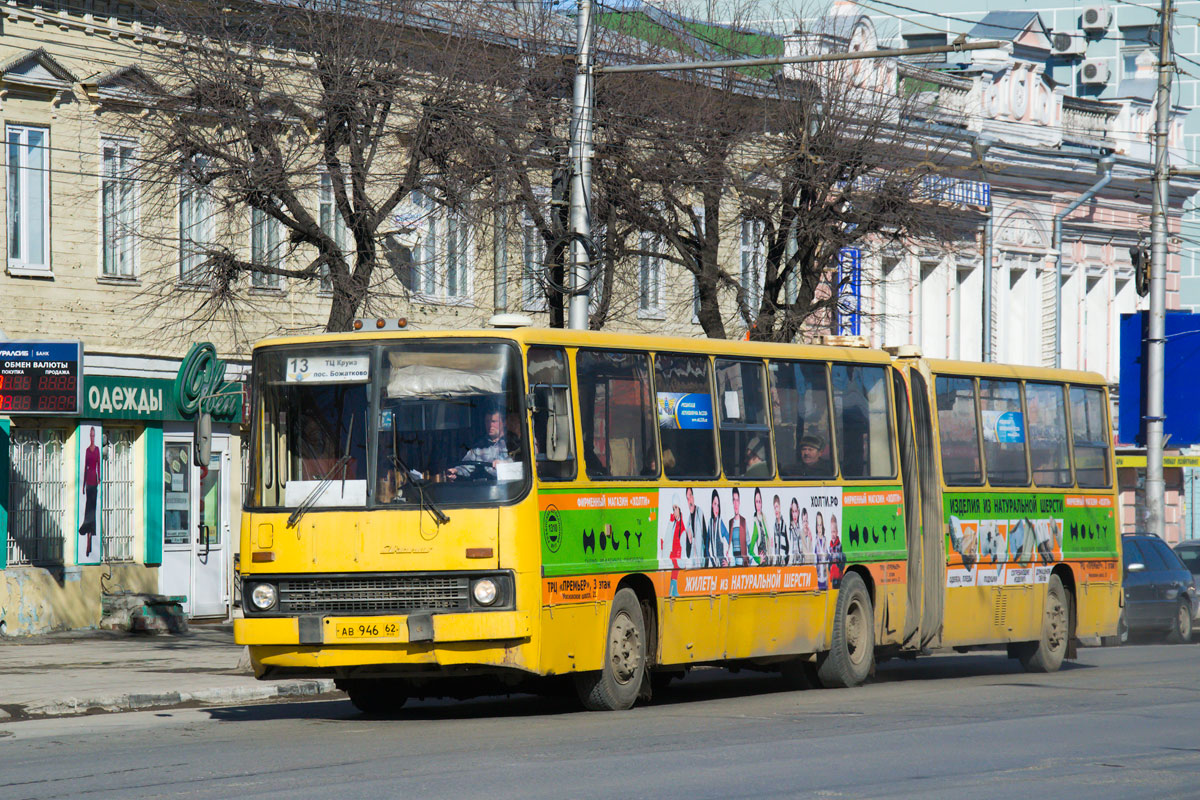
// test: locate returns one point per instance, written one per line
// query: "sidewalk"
(82, 672)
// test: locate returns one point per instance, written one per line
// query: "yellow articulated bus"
(463, 512)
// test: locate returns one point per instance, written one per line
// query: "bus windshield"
(445, 419)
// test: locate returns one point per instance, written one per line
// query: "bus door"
(912, 512)
(933, 552)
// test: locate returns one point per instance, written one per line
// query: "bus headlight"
(485, 591)
(263, 596)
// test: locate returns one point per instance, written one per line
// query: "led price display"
(40, 377)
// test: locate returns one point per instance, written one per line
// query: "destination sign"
(40, 377)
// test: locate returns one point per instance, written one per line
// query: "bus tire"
(1181, 627)
(615, 687)
(1046, 654)
(376, 697)
(852, 655)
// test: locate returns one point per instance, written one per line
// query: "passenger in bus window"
(486, 452)
(812, 458)
(756, 459)
(781, 543)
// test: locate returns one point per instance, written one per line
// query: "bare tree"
(262, 109)
(792, 164)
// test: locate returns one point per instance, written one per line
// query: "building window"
(650, 278)
(752, 263)
(28, 199)
(924, 39)
(333, 225)
(440, 260)
(116, 495)
(1138, 39)
(37, 496)
(119, 198)
(266, 249)
(195, 224)
(533, 260)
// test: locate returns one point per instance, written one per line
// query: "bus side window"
(745, 435)
(862, 418)
(1003, 432)
(683, 395)
(958, 432)
(616, 414)
(800, 415)
(1048, 434)
(1088, 416)
(553, 432)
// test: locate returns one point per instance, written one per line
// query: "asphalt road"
(1118, 723)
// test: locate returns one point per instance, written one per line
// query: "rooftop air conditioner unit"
(1068, 43)
(1096, 19)
(1093, 72)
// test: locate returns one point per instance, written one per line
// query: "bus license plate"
(376, 630)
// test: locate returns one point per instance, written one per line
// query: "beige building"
(92, 255)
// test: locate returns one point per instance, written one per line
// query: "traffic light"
(1139, 256)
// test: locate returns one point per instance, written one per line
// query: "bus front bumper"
(399, 629)
(340, 646)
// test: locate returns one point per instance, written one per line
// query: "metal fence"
(117, 504)
(37, 499)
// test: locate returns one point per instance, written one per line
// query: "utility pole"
(1156, 333)
(581, 130)
(581, 170)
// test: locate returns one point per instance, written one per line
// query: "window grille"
(37, 497)
(116, 495)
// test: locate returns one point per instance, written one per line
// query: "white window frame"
(752, 250)
(651, 284)
(119, 209)
(20, 175)
(442, 259)
(37, 495)
(195, 227)
(332, 224)
(266, 248)
(117, 498)
(533, 257)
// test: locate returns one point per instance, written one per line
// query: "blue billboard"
(1181, 382)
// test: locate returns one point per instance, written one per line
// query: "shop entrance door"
(196, 527)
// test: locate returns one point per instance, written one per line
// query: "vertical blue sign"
(848, 321)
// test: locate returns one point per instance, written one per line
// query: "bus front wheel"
(376, 697)
(1046, 654)
(850, 659)
(616, 685)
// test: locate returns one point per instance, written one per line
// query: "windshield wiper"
(418, 482)
(319, 490)
(324, 482)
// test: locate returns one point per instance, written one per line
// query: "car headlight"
(263, 596)
(485, 591)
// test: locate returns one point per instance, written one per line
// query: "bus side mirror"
(202, 452)
(558, 425)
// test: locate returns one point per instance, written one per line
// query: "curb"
(71, 706)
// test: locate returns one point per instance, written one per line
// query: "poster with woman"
(88, 544)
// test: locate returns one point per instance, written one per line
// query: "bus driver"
(486, 452)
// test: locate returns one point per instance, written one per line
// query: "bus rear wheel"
(1046, 654)
(850, 659)
(616, 685)
(376, 697)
